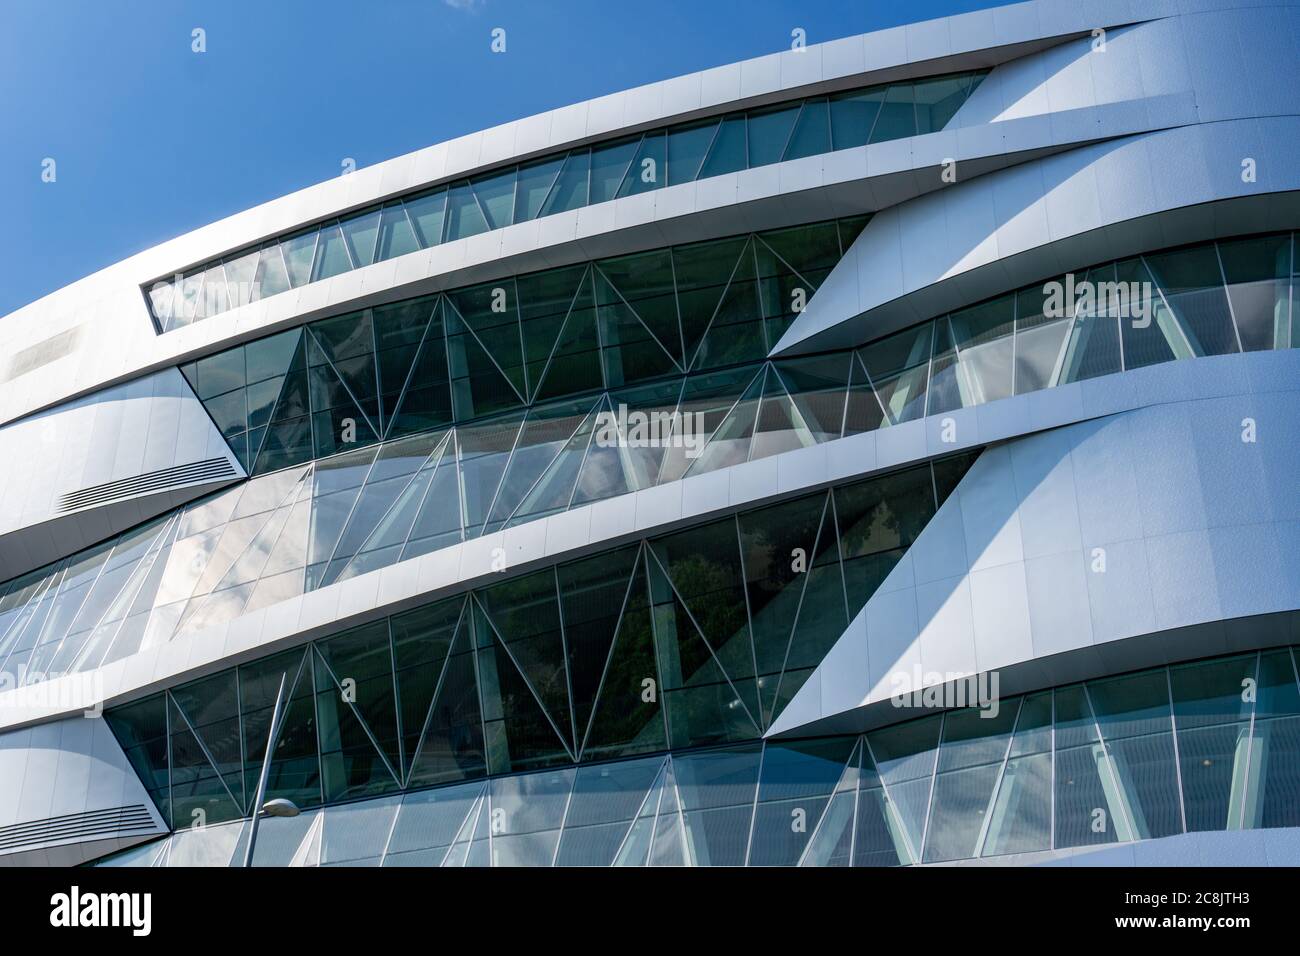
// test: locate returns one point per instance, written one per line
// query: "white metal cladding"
(116, 340)
(99, 465)
(69, 795)
(1068, 544)
(989, 233)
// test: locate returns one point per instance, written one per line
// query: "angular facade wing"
(877, 454)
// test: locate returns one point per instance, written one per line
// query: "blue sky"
(152, 140)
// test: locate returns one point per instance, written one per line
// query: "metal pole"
(266, 772)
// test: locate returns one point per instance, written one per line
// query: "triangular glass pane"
(862, 410)
(544, 302)
(609, 165)
(400, 330)
(331, 254)
(880, 839)
(547, 432)
(706, 401)
(607, 801)
(735, 333)
(795, 785)
(360, 663)
(729, 442)
(199, 795)
(519, 734)
(426, 213)
(478, 385)
(351, 765)
(391, 529)
(570, 189)
(898, 366)
(271, 277)
(287, 437)
(338, 422)
(905, 759)
(627, 451)
(702, 272)
(728, 152)
(295, 761)
(635, 849)
(832, 844)
(241, 273)
(396, 235)
(777, 544)
(769, 132)
(592, 595)
(822, 616)
(575, 363)
(812, 132)
(686, 148)
(553, 490)
(818, 385)
(464, 216)
(361, 233)
(451, 743)
(299, 252)
(626, 718)
(483, 451)
(668, 849)
(211, 709)
(644, 281)
(491, 313)
(459, 849)
(387, 484)
(649, 170)
(422, 641)
(630, 350)
(779, 427)
(702, 705)
(496, 194)
(525, 615)
(425, 388)
(786, 288)
(535, 181)
(438, 523)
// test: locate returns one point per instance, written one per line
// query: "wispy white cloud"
(464, 4)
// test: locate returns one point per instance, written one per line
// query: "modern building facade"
(880, 453)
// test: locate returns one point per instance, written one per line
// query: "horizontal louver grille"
(122, 821)
(162, 480)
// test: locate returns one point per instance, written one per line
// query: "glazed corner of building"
(382, 431)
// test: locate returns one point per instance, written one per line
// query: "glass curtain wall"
(681, 640)
(1161, 752)
(542, 187)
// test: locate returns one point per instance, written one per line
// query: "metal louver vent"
(154, 481)
(122, 821)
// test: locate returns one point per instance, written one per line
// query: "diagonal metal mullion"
(397, 777)
(609, 656)
(891, 808)
(527, 683)
(798, 610)
(761, 370)
(721, 298)
(488, 352)
(330, 362)
(560, 335)
(659, 773)
(551, 464)
(830, 799)
(397, 500)
(207, 754)
(700, 633)
(437, 689)
(641, 322)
